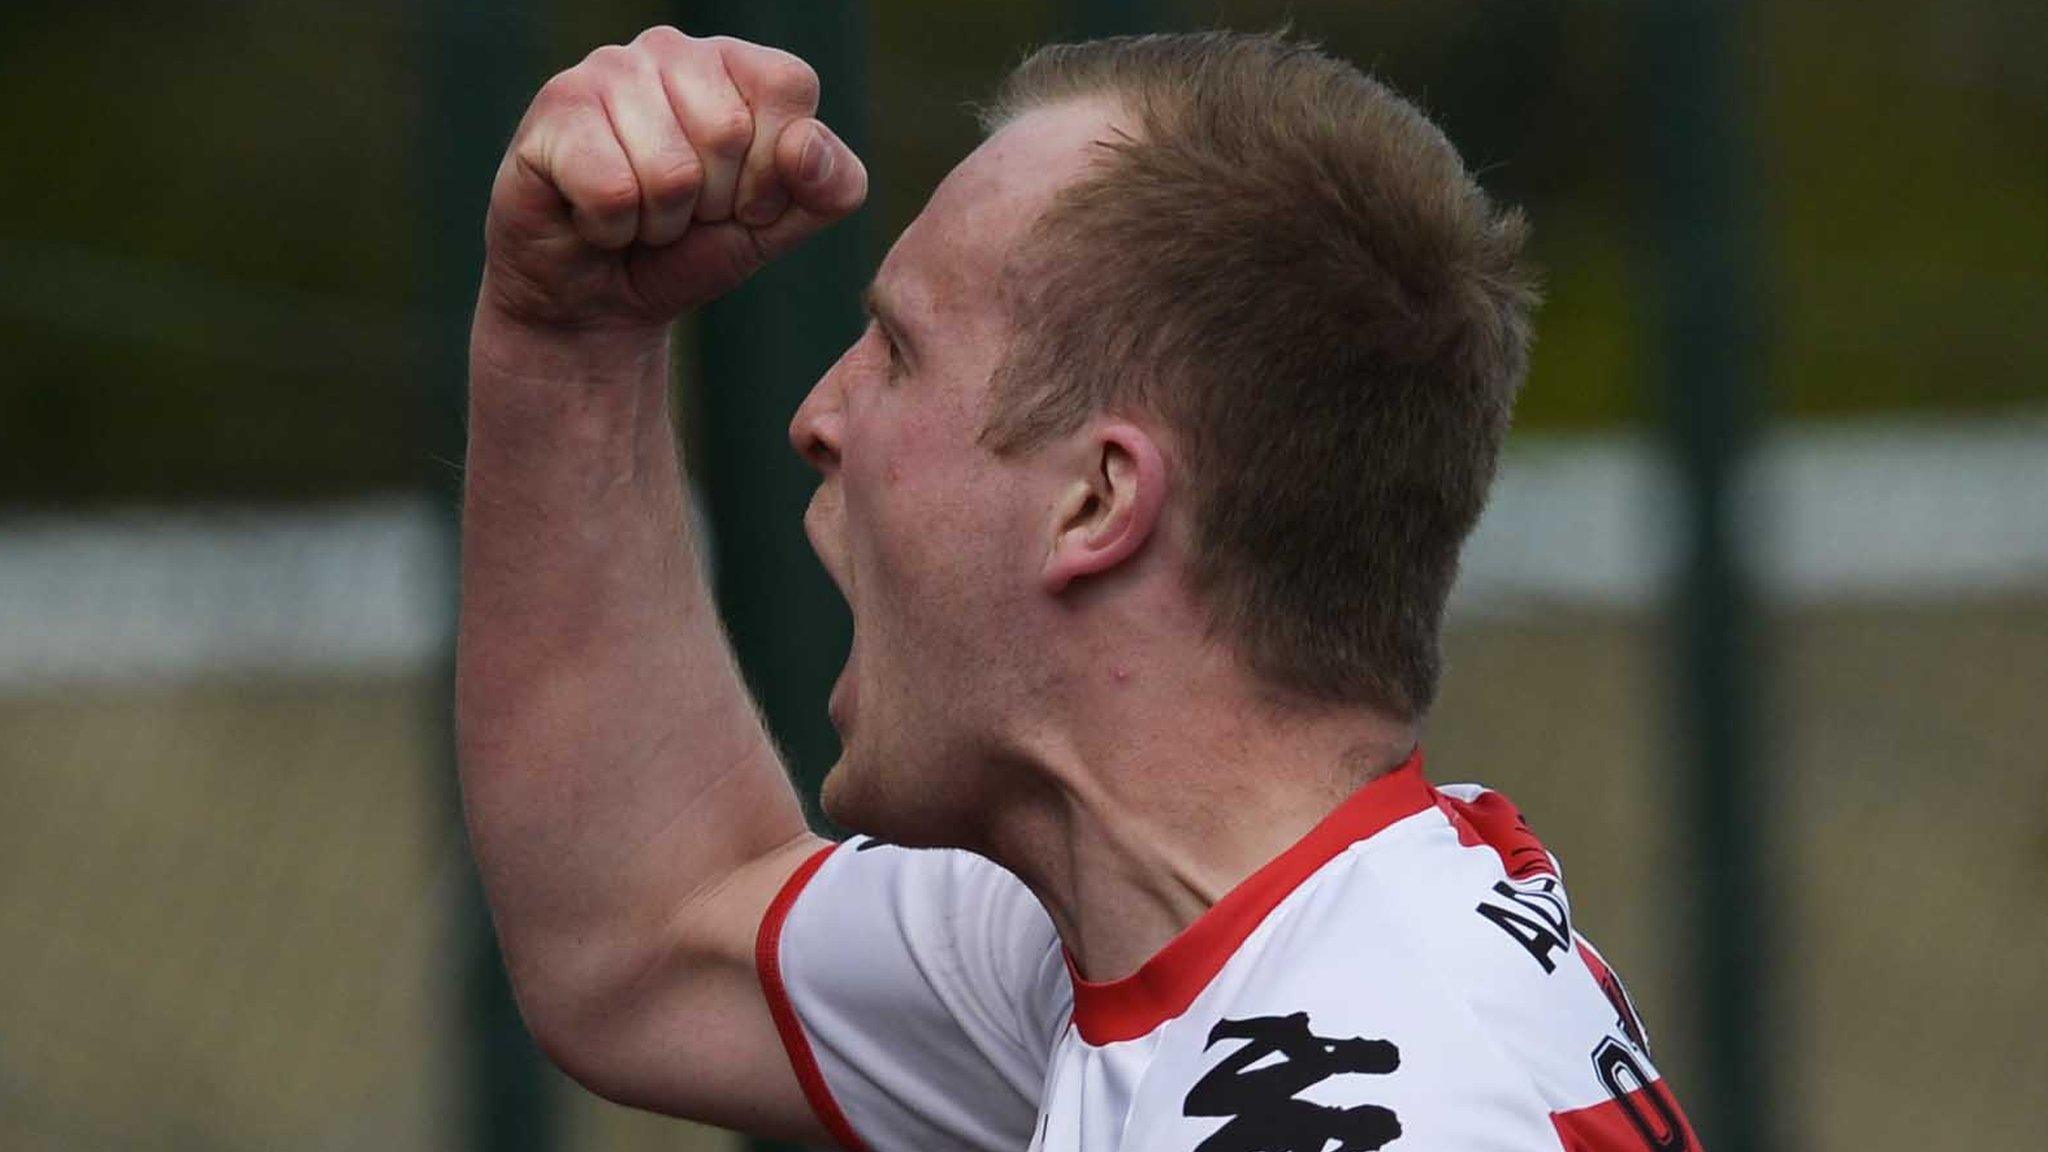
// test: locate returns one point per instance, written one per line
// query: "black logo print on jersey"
(1534, 914)
(1265, 1116)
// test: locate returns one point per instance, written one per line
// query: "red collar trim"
(1166, 984)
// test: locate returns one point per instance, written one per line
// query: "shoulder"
(1484, 925)
(1482, 911)
(920, 993)
(960, 922)
(942, 888)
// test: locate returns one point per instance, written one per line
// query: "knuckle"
(613, 194)
(664, 37)
(568, 84)
(615, 69)
(607, 60)
(729, 131)
(791, 80)
(707, 52)
(677, 181)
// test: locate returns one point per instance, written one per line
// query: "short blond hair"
(1289, 265)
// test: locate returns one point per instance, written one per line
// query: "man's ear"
(1110, 507)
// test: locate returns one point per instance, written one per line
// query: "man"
(1145, 486)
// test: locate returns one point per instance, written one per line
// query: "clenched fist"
(654, 177)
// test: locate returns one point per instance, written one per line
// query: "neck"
(1137, 825)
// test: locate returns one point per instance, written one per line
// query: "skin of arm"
(628, 813)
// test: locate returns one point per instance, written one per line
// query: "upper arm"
(690, 1033)
(883, 998)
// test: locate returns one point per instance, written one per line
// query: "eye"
(889, 348)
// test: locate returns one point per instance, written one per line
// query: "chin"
(848, 798)
(859, 798)
(832, 799)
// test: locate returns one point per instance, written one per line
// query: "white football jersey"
(1406, 976)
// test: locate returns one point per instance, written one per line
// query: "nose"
(814, 430)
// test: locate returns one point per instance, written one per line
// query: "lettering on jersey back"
(1534, 914)
(1258, 1093)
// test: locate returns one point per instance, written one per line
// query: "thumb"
(822, 175)
(825, 180)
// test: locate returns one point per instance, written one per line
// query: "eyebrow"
(877, 306)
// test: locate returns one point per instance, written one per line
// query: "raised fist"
(654, 177)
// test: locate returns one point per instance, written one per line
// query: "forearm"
(612, 763)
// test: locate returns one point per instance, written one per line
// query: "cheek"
(898, 493)
(937, 528)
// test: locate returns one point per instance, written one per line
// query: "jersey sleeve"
(1501, 932)
(918, 994)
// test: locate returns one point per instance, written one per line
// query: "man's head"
(1214, 315)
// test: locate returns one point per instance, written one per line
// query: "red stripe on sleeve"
(1644, 1120)
(768, 962)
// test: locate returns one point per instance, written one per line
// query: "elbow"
(613, 1019)
(584, 1042)
(578, 1054)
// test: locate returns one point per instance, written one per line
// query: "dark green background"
(210, 238)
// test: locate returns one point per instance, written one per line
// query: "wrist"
(621, 352)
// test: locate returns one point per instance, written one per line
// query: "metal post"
(479, 57)
(1704, 243)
